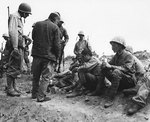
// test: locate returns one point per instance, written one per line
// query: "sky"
(101, 20)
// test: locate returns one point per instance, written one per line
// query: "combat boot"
(10, 89)
(74, 94)
(94, 93)
(28, 69)
(15, 87)
(109, 102)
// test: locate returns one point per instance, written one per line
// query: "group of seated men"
(124, 72)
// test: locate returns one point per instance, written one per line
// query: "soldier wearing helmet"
(7, 45)
(24, 10)
(140, 69)
(7, 39)
(81, 45)
(120, 70)
(15, 28)
(64, 39)
(4, 54)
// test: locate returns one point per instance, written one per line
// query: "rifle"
(28, 34)
(8, 11)
(61, 58)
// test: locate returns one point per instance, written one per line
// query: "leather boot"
(94, 93)
(15, 87)
(28, 68)
(10, 89)
(99, 89)
(109, 102)
(74, 94)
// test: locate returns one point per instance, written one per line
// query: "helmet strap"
(24, 17)
(24, 20)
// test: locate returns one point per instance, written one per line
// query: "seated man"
(89, 73)
(139, 100)
(120, 70)
(140, 69)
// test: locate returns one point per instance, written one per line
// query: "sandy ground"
(62, 109)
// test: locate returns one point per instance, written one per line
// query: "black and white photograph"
(75, 61)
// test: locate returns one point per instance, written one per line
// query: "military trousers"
(118, 80)
(14, 63)
(143, 92)
(88, 80)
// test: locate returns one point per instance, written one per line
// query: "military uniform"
(139, 68)
(122, 72)
(64, 39)
(143, 90)
(80, 46)
(140, 99)
(90, 73)
(5, 57)
(15, 27)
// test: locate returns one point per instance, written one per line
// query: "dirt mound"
(142, 55)
(62, 109)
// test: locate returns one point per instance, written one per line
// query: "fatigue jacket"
(124, 61)
(80, 46)
(64, 33)
(93, 66)
(46, 40)
(139, 67)
(15, 28)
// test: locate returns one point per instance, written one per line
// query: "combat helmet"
(119, 40)
(81, 33)
(25, 8)
(5, 35)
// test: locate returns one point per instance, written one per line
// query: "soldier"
(120, 70)
(45, 51)
(139, 101)
(140, 69)
(81, 45)
(141, 90)
(15, 28)
(64, 40)
(5, 54)
(89, 73)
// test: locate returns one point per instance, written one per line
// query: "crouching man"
(119, 71)
(89, 73)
